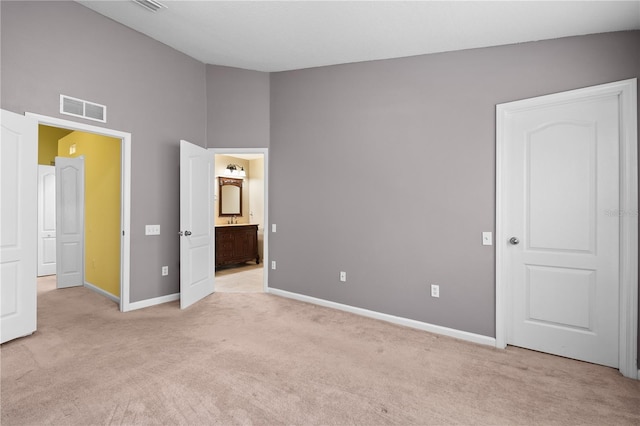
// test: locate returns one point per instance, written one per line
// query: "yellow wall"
(102, 206)
(48, 143)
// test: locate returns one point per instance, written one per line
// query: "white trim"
(628, 228)
(432, 328)
(125, 214)
(101, 291)
(154, 301)
(626, 90)
(265, 231)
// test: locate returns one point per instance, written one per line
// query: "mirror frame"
(222, 181)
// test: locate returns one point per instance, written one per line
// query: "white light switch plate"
(152, 230)
(273, 227)
(487, 239)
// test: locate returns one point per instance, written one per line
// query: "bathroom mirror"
(230, 196)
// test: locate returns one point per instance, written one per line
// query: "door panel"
(562, 169)
(196, 224)
(70, 221)
(570, 287)
(46, 220)
(18, 236)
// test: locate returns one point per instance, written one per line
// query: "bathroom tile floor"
(245, 278)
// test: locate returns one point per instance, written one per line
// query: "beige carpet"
(260, 359)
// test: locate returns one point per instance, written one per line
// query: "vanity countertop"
(236, 224)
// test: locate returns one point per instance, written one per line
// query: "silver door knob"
(514, 240)
(187, 233)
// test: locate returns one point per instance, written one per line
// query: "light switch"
(487, 239)
(273, 227)
(152, 230)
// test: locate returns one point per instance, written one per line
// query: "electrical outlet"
(165, 271)
(435, 290)
(273, 264)
(343, 276)
(487, 240)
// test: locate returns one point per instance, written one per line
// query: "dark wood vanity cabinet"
(236, 244)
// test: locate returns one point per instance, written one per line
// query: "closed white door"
(70, 221)
(18, 248)
(46, 220)
(196, 224)
(561, 227)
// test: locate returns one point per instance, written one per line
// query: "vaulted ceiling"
(285, 35)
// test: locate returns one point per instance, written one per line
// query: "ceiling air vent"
(151, 5)
(83, 109)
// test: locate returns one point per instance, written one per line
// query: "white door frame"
(626, 92)
(265, 241)
(125, 182)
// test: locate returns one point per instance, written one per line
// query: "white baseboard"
(102, 292)
(152, 302)
(451, 332)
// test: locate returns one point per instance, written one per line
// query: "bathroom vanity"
(236, 243)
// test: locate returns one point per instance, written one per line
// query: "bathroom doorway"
(245, 218)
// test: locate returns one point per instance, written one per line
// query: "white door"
(70, 221)
(196, 224)
(18, 248)
(560, 177)
(46, 220)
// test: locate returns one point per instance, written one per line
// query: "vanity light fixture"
(235, 170)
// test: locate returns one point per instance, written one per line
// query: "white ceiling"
(285, 35)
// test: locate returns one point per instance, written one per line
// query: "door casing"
(125, 204)
(626, 91)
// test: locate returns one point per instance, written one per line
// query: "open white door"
(196, 224)
(70, 221)
(18, 174)
(46, 220)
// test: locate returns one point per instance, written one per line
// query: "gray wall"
(237, 108)
(386, 170)
(150, 90)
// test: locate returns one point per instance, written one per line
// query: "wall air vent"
(151, 5)
(83, 109)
